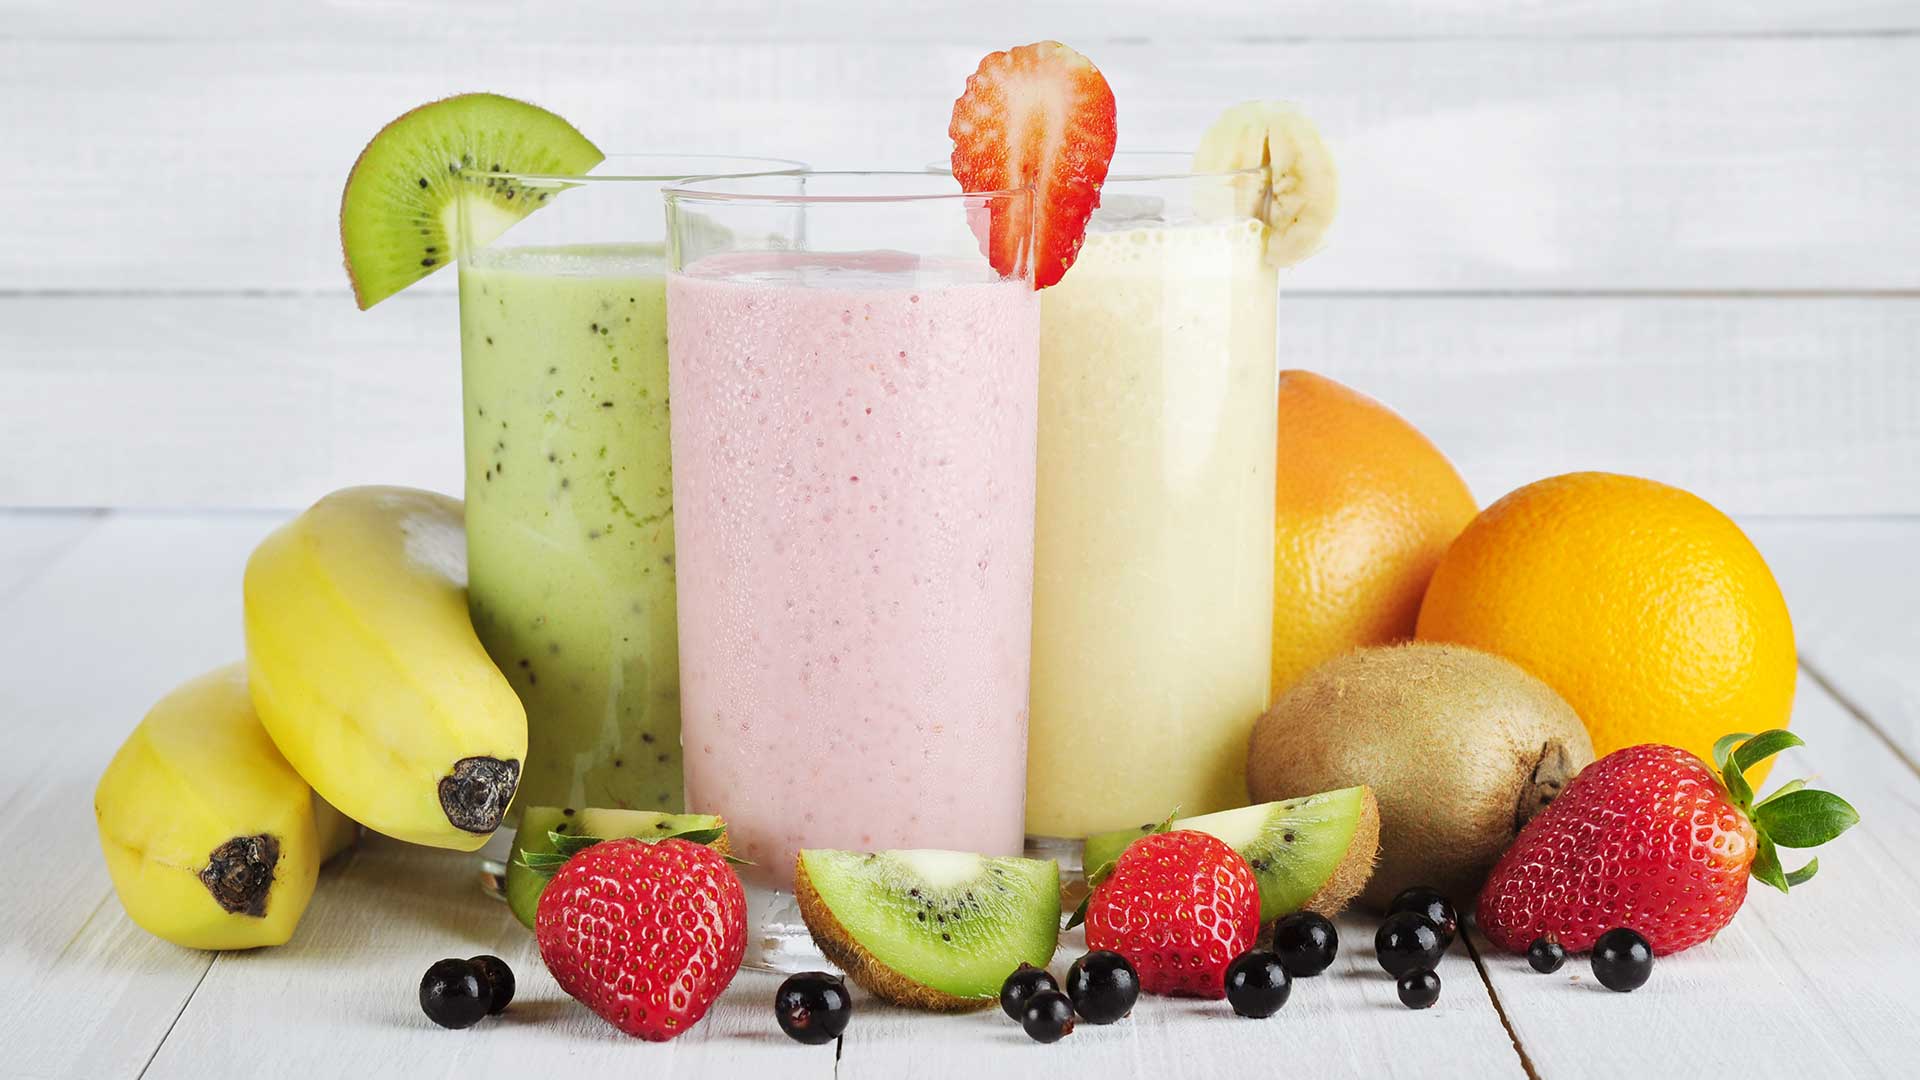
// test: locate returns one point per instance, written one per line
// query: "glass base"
(1068, 854)
(777, 938)
(492, 860)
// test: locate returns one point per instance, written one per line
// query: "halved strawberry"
(1040, 115)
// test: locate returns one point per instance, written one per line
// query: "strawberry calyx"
(567, 845)
(1105, 870)
(1794, 816)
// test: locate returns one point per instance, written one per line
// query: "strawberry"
(1650, 838)
(1179, 906)
(644, 933)
(1038, 116)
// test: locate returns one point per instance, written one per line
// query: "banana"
(1303, 186)
(209, 834)
(366, 671)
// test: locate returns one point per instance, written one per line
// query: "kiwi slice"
(936, 930)
(524, 885)
(398, 213)
(1313, 853)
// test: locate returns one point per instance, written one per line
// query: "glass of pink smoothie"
(854, 393)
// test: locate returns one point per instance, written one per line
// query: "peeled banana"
(1303, 186)
(210, 836)
(366, 671)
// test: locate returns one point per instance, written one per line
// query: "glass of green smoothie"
(569, 490)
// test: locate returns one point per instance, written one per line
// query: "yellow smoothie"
(1153, 557)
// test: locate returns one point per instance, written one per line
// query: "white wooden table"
(101, 613)
(1679, 240)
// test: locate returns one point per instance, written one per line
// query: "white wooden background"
(1680, 239)
(1561, 221)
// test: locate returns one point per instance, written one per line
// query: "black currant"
(1419, 989)
(1434, 905)
(454, 994)
(1306, 943)
(1407, 942)
(1546, 955)
(1257, 984)
(1102, 986)
(812, 1007)
(1622, 960)
(1025, 982)
(1047, 1016)
(499, 979)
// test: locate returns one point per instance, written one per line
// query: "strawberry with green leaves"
(1651, 839)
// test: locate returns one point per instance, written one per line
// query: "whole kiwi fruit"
(1461, 748)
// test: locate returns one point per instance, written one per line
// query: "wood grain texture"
(1850, 590)
(1347, 1021)
(353, 973)
(1813, 973)
(141, 601)
(131, 610)
(1604, 163)
(1762, 406)
(30, 542)
(938, 20)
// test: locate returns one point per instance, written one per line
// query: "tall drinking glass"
(1153, 559)
(854, 393)
(569, 497)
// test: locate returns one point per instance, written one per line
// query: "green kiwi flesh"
(930, 929)
(1311, 852)
(398, 213)
(523, 886)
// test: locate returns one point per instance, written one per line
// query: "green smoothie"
(570, 514)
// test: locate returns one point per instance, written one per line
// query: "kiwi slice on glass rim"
(398, 213)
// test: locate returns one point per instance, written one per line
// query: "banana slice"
(1303, 188)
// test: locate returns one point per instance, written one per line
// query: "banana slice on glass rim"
(1303, 186)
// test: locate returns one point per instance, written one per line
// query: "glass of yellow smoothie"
(569, 492)
(1153, 555)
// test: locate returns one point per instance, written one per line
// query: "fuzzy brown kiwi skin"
(1458, 746)
(1356, 869)
(862, 966)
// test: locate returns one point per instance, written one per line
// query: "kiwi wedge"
(524, 885)
(399, 211)
(1313, 853)
(937, 930)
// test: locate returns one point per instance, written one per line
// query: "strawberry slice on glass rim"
(1039, 116)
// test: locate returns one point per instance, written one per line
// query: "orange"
(1365, 507)
(1645, 607)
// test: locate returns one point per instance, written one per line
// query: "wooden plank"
(217, 402)
(141, 602)
(345, 990)
(32, 541)
(136, 607)
(1849, 587)
(1823, 978)
(1760, 405)
(1346, 1021)
(1486, 164)
(933, 20)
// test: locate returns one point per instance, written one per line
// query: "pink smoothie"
(853, 481)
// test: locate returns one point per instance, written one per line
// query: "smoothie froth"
(854, 442)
